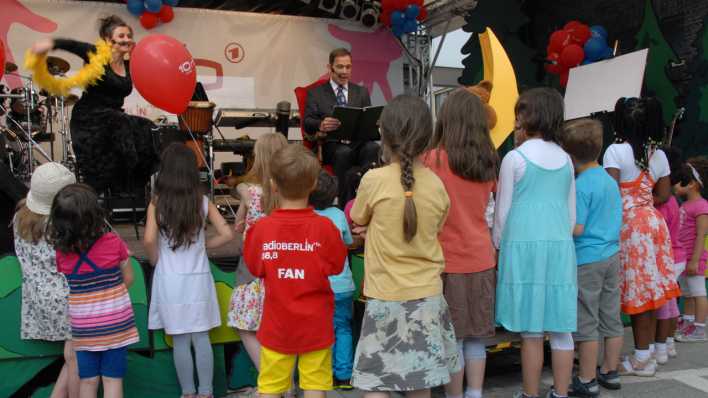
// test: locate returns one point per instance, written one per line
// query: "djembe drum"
(198, 119)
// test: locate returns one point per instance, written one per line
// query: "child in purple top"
(691, 238)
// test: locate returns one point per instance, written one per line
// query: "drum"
(19, 105)
(198, 117)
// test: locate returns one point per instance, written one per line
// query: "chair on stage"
(311, 141)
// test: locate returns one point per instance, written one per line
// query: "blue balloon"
(397, 30)
(595, 49)
(598, 31)
(412, 11)
(136, 7)
(410, 26)
(609, 53)
(585, 62)
(171, 3)
(397, 18)
(153, 5)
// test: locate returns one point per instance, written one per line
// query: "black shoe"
(609, 380)
(584, 390)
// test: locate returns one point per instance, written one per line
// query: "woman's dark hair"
(108, 24)
(178, 196)
(406, 126)
(76, 220)
(639, 122)
(540, 110)
(461, 130)
(325, 191)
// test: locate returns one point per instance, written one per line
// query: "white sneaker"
(671, 350)
(662, 357)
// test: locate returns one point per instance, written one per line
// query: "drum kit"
(32, 116)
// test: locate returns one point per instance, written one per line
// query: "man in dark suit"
(321, 100)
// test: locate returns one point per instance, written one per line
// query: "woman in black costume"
(113, 149)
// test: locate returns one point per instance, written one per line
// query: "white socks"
(469, 393)
(642, 355)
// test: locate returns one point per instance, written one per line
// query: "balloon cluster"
(402, 16)
(575, 44)
(152, 12)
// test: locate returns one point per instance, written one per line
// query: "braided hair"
(406, 127)
(639, 122)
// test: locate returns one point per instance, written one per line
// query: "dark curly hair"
(639, 122)
(325, 191)
(76, 220)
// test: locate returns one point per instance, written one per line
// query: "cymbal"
(10, 67)
(57, 65)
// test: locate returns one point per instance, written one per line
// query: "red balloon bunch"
(565, 49)
(152, 12)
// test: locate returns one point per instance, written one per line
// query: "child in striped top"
(97, 267)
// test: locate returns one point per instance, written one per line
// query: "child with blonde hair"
(45, 292)
(256, 200)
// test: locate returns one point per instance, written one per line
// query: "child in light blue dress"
(535, 213)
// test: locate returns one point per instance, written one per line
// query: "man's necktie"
(341, 99)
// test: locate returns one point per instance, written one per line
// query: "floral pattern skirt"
(647, 275)
(246, 306)
(405, 346)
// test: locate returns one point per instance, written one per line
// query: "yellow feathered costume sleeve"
(89, 74)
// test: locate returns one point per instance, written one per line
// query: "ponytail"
(410, 214)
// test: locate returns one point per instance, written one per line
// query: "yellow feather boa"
(89, 74)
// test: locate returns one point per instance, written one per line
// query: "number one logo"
(234, 52)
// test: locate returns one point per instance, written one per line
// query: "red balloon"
(423, 14)
(2, 58)
(580, 33)
(166, 13)
(558, 40)
(570, 25)
(163, 72)
(564, 78)
(149, 20)
(553, 66)
(400, 4)
(571, 56)
(387, 6)
(419, 3)
(385, 18)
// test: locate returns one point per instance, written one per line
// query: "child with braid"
(406, 315)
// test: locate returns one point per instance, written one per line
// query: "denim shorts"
(110, 363)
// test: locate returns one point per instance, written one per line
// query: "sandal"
(630, 366)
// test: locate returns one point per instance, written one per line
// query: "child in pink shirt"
(691, 237)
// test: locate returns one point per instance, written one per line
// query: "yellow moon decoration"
(499, 71)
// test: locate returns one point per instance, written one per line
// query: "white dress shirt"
(335, 87)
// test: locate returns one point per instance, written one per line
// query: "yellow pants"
(315, 370)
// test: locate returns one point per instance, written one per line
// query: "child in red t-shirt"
(294, 250)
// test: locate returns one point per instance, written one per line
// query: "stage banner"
(244, 60)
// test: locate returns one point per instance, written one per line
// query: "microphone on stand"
(282, 121)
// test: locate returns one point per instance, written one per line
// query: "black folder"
(357, 124)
